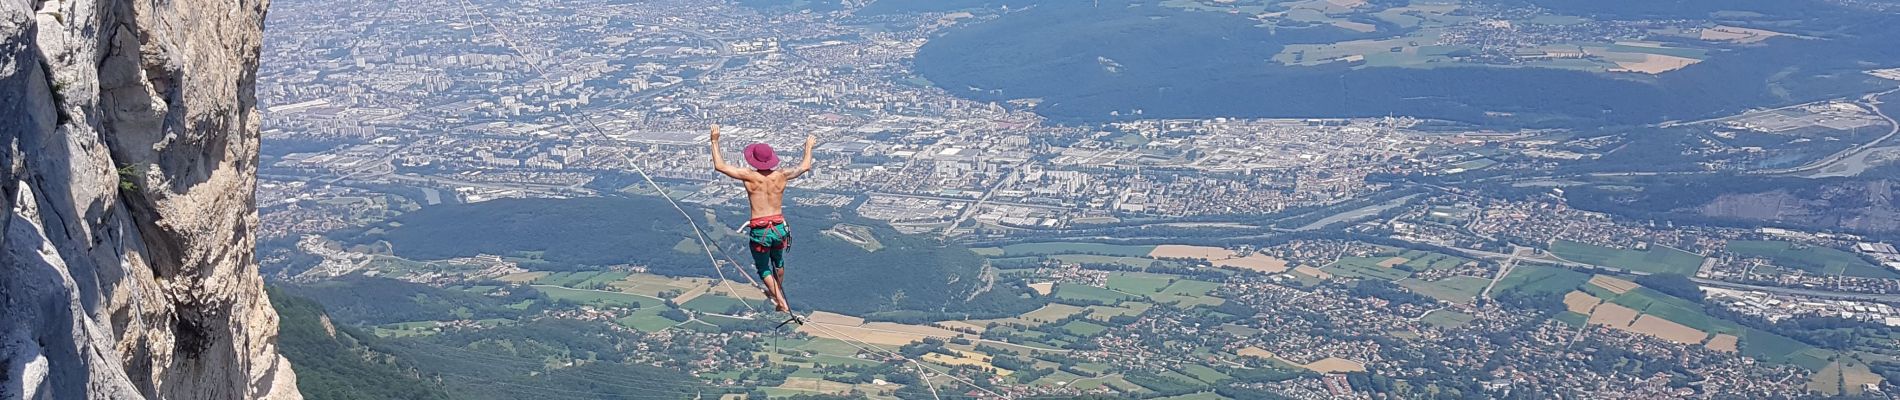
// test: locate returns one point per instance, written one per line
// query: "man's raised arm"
(719, 163)
(803, 167)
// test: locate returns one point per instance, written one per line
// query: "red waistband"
(766, 221)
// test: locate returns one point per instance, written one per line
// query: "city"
(1311, 258)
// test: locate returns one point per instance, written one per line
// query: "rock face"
(128, 150)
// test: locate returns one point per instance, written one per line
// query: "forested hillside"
(911, 273)
(337, 361)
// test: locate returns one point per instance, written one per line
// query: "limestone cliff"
(128, 149)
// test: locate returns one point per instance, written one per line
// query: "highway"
(1890, 298)
(1871, 101)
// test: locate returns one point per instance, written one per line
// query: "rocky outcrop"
(128, 149)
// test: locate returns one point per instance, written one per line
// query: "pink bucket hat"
(761, 156)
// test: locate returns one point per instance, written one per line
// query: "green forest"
(822, 272)
(336, 361)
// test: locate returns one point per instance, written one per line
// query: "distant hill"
(1086, 62)
(1685, 9)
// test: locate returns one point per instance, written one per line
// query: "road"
(1667, 124)
(1503, 271)
(1890, 298)
(1871, 101)
(1014, 171)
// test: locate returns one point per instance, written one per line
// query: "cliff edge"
(128, 151)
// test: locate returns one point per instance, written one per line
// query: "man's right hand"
(715, 133)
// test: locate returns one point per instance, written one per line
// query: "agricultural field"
(602, 280)
(1127, 309)
(878, 333)
(1043, 288)
(1613, 284)
(1423, 260)
(1083, 328)
(1051, 313)
(597, 297)
(1652, 325)
(1053, 248)
(658, 287)
(1613, 315)
(1814, 260)
(1655, 260)
(807, 386)
(523, 277)
(1188, 293)
(647, 320)
(1196, 252)
(1580, 302)
(1308, 276)
(1447, 319)
(1070, 291)
(963, 358)
(1776, 348)
(1221, 257)
(1627, 306)
(1540, 280)
(1139, 283)
(688, 246)
(1254, 262)
(1335, 365)
(1256, 352)
(714, 304)
(1572, 318)
(1365, 268)
(1723, 342)
(1855, 376)
(1204, 373)
(582, 279)
(565, 278)
(1136, 262)
(1457, 289)
(1645, 311)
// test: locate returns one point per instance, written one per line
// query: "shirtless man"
(765, 186)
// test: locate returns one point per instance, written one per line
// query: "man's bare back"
(767, 194)
(765, 187)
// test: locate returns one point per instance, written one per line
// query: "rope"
(699, 234)
(591, 125)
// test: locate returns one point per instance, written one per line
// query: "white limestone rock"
(128, 149)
